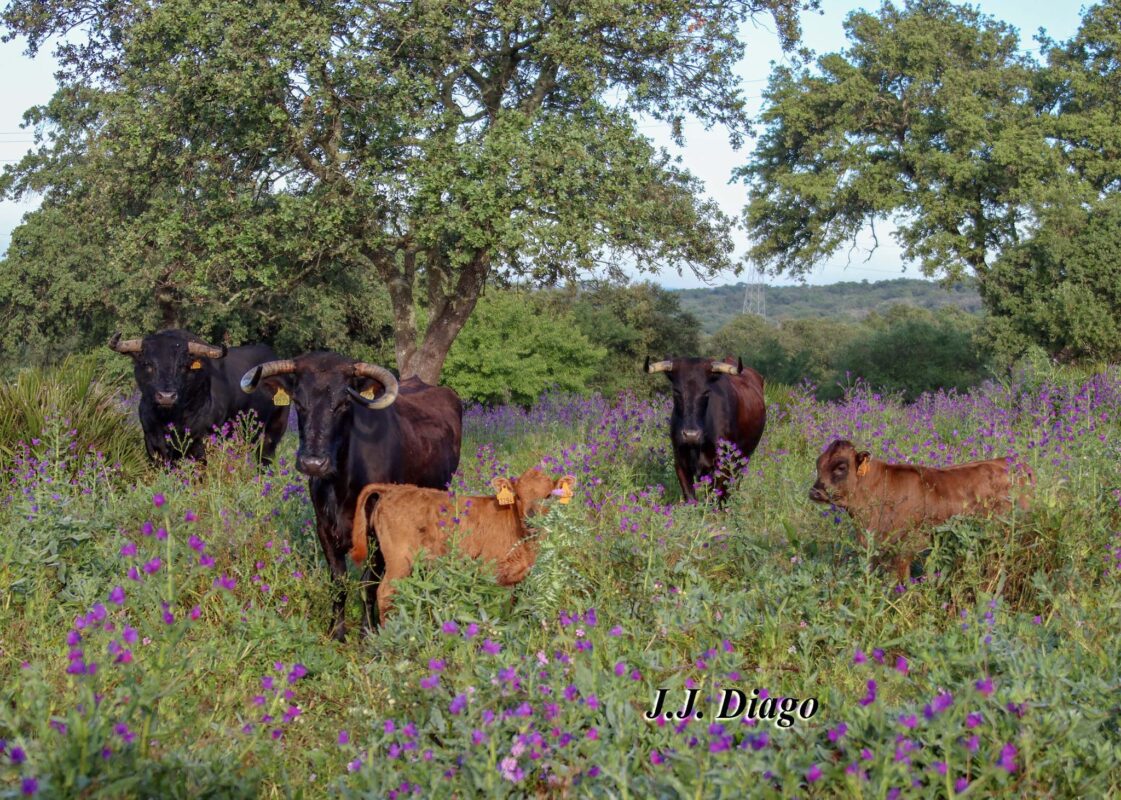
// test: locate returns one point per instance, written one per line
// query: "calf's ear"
(564, 488)
(862, 463)
(504, 491)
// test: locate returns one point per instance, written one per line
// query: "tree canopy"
(983, 159)
(927, 121)
(222, 165)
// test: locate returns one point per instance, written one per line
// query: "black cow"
(359, 426)
(188, 387)
(712, 400)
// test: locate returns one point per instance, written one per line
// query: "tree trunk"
(449, 308)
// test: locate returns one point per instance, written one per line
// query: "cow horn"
(658, 366)
(254, 376)
(382, 376)
(206, 350)
(727, 369)
(125, 347)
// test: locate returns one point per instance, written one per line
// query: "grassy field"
(162, 635)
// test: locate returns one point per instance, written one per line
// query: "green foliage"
(513, 349)
(631, 322)
(39, 408)
(906, 349)
(1062, 289)
(238, 164)
(912, 352)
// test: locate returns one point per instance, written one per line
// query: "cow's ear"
(368, 387)
(862, 463)
(279, 387)
(503, 491)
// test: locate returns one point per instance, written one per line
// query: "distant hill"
(849, 299)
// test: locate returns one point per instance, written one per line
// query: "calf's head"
(692, 380)
(527, 492)
(324, 387)
(170, 366)
(839, 469)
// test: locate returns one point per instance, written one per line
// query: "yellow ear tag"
(862, 470)
(369, 393)
(565, 486)
(505, 495)
(281, 397)
(196, 364)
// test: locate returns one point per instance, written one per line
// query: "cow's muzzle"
(314, 466)
(166, 399)
(818, 495)
(691, 435)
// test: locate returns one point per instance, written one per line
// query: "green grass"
(629, 594)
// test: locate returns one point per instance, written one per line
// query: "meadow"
(163, 634)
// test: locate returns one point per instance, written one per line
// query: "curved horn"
(125, 347)
(207, 350)
(658, 366)
(254, 376)
(727, 369)
(382, 376)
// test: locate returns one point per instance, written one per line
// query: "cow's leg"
(686, 482)
(372, 579)
(323, 499)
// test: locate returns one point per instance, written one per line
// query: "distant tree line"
(715, 306)
(521, 344)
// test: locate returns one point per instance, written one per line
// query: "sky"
(28, 82)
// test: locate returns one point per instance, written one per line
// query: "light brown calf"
(406, 519)
(898, 502)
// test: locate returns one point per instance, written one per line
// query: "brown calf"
(897, 501)
(406, 519)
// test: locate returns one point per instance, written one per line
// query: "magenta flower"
(813, 774)
(117, 596)
(158, 500)
(128, 549)
(344, 737)
(225, 582)
(1007, 758)
(29, 786)
(488, 646)
(984, 686)
(458, 704)
(153, 566)
(449, 627)
(901, 665)
(858, 657)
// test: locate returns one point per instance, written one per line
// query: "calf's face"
(838, 470)
(532, 487)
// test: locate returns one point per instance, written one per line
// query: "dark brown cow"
(712, 401)
(358, 425)
(897, 502)
(406, 519)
